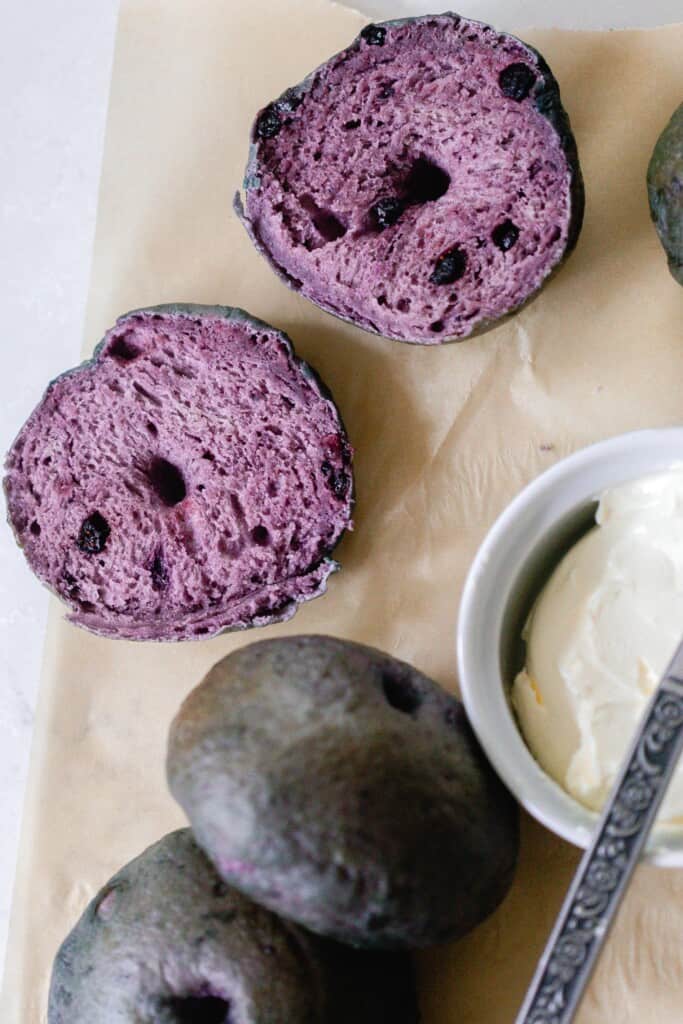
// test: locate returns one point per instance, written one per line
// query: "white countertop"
(54, 80)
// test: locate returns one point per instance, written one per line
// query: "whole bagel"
(665, 191)
(167, 942)
(343, 789)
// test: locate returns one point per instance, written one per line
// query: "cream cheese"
(599, 637)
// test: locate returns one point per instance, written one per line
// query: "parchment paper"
(444, 438)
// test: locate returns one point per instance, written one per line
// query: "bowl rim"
(488, 709)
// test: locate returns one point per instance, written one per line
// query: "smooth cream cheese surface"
(599, 637)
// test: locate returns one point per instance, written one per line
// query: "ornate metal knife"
(606, 867)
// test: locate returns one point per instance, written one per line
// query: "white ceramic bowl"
(514, 561)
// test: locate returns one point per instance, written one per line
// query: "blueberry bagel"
(193, 476)
(344, 790)
(167, 942)
(422, 183)
(665, 191)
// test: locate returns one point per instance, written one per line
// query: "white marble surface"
(54, 79)
(54, 82)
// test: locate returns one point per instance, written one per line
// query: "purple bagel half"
(193, 476)
(422, 184)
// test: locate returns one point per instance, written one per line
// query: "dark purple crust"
(318, 225)
(343, 789)
(166, 942)
(193, 476)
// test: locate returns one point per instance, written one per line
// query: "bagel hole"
(401, 694)
(199, 1010)
(167, 481)
(426, 182)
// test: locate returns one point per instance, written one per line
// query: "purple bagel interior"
(422, 184)
(192, 477)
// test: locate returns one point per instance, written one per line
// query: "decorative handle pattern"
(606, 867)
